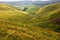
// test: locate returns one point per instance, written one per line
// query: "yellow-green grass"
(45, 15)
(46, 12)
(4, 14)
(13, 31)
(48, 8)
(12, 27)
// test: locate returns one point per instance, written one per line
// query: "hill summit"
(7, 7)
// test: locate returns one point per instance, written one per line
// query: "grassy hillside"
(7, 7)
(48, 8)
(11, 13)
(48, 17)
(14, 26)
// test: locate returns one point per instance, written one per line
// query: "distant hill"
(49, 8)
(21, 5)
(28, 3)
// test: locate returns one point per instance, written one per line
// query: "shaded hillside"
(45, 16)
(46, 12)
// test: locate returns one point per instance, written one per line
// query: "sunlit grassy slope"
(11, 13)
(7, 11)
(13, 26)
(7, 7)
